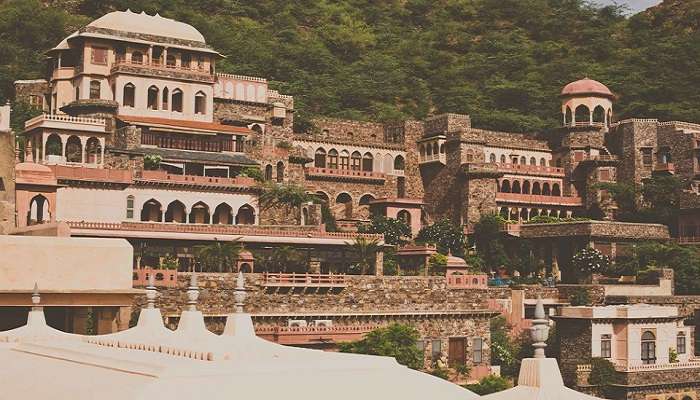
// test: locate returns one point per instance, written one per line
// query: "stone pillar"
(102, 151)
(379, 263)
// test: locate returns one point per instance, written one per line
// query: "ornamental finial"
(239, 293)
(36, 298)
(192, 293)
(540, 329)
(151, 292)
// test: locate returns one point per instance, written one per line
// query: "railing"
(268, 330)
(242, 77)
(344, 173)
(538, 199)
(601, 157)
(665, 167)
(306, 280)
(688, 239)
(64, 118)
(584, 124)
(645, 367)
(433, 157)
(252, 230)
(162, 277)
(214, 144)
(82, 173)
(160, 66)
(163, 176)
(530, 169)
(681, 125)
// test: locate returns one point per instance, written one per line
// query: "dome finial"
(540, 329)
(151, 292)
(239, 294)
(192, 293)
(36, 298)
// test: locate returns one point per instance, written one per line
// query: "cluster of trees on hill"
(501, 61)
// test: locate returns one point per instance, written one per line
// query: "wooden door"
(457, 351)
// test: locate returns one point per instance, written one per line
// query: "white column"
(83, 153)
(102, 151)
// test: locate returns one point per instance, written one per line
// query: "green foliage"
(169, 262)
(437, 261)
(218, 256)
(488, 241)
(490, 384)
(282, 259)
(21, 112)
(253, 172)
(283, 194)
(672, 355)
(391, 265)
(395, 340)
(440, 372)
(151, 162)
(445, 235)
(395, 231)
(549, 219)
(328, 218)
(685, 262)
(503, 348)
(463, 369)
(580, 298)
(589, 261)
(602, 374)
(284, 145)
(366, 251)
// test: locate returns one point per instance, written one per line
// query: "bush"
(395, 231)
(602, 375)
(284, 145)
(437, 261)
(396, 340)
(440, 373)
(253, 172)
(151, 162)
(672, 355)
(580, 298)
(489, 384)
(589, 261)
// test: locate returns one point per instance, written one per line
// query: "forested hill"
(501, 61)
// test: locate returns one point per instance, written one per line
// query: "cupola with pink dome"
(586, 103)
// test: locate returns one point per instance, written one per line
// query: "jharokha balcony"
(164, 178)
(297, 335)
(159, 69)
(538, 170)
(344, 174)
(537, 199)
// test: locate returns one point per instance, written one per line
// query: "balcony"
(344, 174)
(162, 177)
(66, 122)
(525, 169)
(537, 199)
(282, 280)
(296, 335)
(159, 70)
(430, 158)
(664, 168)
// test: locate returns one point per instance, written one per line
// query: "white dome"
(129, 21)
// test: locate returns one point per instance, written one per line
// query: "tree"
(366, 251)
(283, 259)
(685, 262)
(283, 194)
(487, 238)
(589, 261)
(445, 235)
(489, 384)
(603, 374)
(503, 348)
(396, 340)
(395, 231)
(218, 256)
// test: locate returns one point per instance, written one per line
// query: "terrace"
(344, 174)
(66, 122)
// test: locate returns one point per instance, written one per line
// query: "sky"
(635, 6)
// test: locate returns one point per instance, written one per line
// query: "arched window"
(320, 158)
(599, 115)
(151, 211)
(176, 212)
(350, 135)
(545, 189)
(523, 160)
(505, 186)
(200, 103)
(333, 159)
(536, 189)
(436, 149)
(38, 210)
(95, 89)
(153, 98)
(568, 117)
(74, 150)
(137, 57)
(177, 100)
(170, 61)
(648, 348)
(367, 162)
(533, 161)
(526, 187)
(166, 98)
(556, 191)
(429, 150)
(543, 162)
(322, 197)
(516, 187)
(199, 213)
(523, 214)
(356, 161)
(129, 207)
(346, 199)
(223, 214)
(404, 216)
(245, 215)
(54, 145)
(129, 95)
(268, 172)
(421, 150)
(366, 199)
(680, 343)
(504, 212)
(93, 148)
(583, 115)
(280, 171)
(399, 164)
(492, 158)
(503, 158)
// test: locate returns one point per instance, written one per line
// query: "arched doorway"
(199, 213)
(74, 150)
(152, 211)
(38, 210)
(176, 212)
(346, 199)
(93, 148)
(223, 214)
(54, 145)
(245, 215)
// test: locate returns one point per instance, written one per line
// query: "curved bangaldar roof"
(156, 25)
(586, 86)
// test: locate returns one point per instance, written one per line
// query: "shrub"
(672, 355)
(489, 384)
(580, 298)
(589, 261)
(396, 340)
(253, 172)
(445, 235)
(440, 373)
(284, 145)
(602, 375)
(151, 162)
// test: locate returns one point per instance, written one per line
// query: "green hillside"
(501, 61)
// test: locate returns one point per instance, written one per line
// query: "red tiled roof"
(184, 124)
(586, 86)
